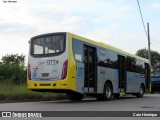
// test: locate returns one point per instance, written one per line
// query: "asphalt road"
(150, 102)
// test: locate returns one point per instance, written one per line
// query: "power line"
(142, 17)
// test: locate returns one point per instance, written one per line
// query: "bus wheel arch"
(109, 81)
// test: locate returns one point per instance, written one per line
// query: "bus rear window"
(48, 45)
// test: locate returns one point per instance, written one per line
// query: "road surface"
(150, 102)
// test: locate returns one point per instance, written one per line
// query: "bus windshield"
(48, 45)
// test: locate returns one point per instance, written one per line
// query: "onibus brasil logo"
(21, 114)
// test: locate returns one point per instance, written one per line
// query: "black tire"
(107, 93)
(75, 97)
(116, 95)
(141, 92)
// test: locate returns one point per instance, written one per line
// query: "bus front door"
(90, 66)
(122, 73)
(147, 77)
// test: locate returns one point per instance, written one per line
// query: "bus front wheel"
(141, 92)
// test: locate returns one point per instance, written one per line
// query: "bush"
(12, 69)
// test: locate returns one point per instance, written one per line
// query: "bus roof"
(104, 45)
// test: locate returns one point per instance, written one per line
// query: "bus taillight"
(64, 70)
(29, 72)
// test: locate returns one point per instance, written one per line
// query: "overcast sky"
(116, 22)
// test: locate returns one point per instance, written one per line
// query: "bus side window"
(77, 50)
(113, 59)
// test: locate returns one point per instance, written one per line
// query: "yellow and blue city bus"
(67, 63)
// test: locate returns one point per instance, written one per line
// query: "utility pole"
(149, 52)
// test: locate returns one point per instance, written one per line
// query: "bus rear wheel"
(75, 97)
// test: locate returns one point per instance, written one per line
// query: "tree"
(14, 59)
(155, 57)
(12, 68)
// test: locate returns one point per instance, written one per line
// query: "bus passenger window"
(77, 50)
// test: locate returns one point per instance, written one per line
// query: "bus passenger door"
(122, 73)
(147, 76)
(90, 75)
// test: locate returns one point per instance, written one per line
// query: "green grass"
(14, 93)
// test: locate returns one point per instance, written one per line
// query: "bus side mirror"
(29, 41)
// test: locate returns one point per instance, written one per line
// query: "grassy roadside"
(14, 93)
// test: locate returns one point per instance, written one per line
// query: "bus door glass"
(122, 73)
(147, 76)
(90, 68)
